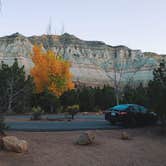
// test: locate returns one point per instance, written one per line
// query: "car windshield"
(120, 107)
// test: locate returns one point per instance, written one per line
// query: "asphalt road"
(91, 122)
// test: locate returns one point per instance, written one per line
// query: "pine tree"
(15, 87)
(157, 91)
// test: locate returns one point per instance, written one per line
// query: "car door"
(143, 114)
(138, 113)
(133, 111)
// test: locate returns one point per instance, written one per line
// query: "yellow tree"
(50, 72)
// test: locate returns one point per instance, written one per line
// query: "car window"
(133, 108)
(142, 109)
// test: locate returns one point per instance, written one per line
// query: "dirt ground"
(146, 148)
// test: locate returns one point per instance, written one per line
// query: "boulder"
(85, 113)
(86, 138)
(12, 143)
(91, 135)
(124, 136)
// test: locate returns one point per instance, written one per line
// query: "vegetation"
(72, 110)
(89, 98)
(55, 76)
(47, 101)
(36, 113)
(15, 88)
(136, 94)
(157, 91)
(120, 67)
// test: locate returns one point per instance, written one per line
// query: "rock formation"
(93, 62)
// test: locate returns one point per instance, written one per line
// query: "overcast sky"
(138, 24)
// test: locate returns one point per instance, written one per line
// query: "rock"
(86, 138)
(12, 143)
(97, 114)
(85, 113)
(2, 133)
(124, 136)
(101, 112)
(91, 135)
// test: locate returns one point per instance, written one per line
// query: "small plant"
(36, 113)
(73, 110)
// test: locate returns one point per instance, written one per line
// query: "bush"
(59, 110)
(36, 113)
(97, 109)
(72, 110)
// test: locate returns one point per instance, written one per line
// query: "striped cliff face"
(93, 62)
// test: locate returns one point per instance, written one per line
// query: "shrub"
(59, 110)
(97, 109)
(72, 110)
(36, 113)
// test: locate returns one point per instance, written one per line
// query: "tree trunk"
(51, 108)
(117, 99)
(117, 95)
(9, 109)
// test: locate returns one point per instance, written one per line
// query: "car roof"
(123, 106)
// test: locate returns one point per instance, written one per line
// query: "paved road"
(92, 123)
(93, 117)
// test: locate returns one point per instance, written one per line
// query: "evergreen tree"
(70, 98)
(135, 94)
(157, 91)
(15, 88)
(87, 100)
(47, 101)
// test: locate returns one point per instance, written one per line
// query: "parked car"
(130, 114)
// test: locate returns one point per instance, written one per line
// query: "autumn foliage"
(50, 72)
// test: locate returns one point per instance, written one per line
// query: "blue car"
(130, 114)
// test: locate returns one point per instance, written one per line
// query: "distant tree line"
(17, 94)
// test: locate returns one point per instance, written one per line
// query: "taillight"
(122, 113)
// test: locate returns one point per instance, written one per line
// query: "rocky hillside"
(93, 62)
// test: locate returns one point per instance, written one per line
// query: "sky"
(138, 24)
